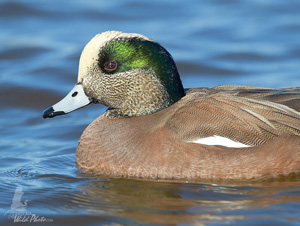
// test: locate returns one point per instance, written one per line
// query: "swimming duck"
(154, 128)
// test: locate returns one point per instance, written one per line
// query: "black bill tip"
(50, 113)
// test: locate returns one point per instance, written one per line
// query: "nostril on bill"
(74, 94)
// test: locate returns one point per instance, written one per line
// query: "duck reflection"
(179, 202)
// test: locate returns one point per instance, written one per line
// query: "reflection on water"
(65, 196)
(213, 42)
(186, 203)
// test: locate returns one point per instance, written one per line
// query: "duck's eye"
(110, 66)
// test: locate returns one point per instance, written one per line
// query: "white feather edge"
(218, 140)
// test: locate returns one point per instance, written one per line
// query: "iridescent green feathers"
(132, 53)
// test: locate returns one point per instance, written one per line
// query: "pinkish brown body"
(152, 146)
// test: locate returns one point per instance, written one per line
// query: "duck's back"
(288, 96)
(243, 114)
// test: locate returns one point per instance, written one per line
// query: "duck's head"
(129, 73)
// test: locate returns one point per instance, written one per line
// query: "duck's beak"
(74, 100)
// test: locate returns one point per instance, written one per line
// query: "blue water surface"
(214, 42)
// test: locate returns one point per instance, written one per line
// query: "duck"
(153, 128)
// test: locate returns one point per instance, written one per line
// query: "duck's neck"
(149, 96)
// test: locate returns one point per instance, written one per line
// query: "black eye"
(110, 66)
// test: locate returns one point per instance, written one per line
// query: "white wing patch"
(218, 140)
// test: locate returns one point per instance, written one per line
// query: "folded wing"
(247, 115)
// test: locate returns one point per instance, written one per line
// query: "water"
(213, 42)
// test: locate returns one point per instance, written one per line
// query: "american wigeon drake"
(153, 128)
